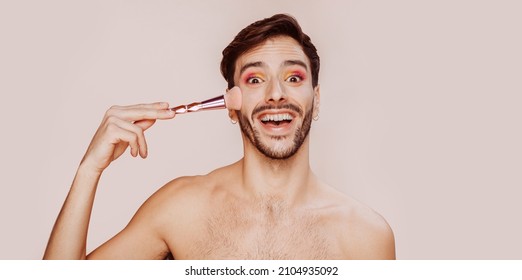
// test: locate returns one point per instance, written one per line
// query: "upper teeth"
(277, 118)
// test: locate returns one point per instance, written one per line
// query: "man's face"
(279, 100)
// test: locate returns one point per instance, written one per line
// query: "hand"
(123, 126)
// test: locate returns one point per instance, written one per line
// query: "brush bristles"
(233, 99)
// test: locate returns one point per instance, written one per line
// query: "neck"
(287, 179)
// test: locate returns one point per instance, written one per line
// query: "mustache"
(288, 106)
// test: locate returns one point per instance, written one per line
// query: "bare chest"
(264, 233)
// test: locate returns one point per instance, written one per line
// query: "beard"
(282, 153)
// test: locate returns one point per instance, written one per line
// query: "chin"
(278, 149)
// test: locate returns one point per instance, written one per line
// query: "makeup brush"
(230, 100)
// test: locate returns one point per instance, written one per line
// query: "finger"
(138, 131)
(145, 124)
(137, 114)
(157, 110)
(118, 135)
(155, 105)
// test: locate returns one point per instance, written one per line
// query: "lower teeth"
(277, 123)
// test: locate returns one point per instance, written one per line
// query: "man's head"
(257, 33)
(277, 67)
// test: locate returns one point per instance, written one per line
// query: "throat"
(268, 180)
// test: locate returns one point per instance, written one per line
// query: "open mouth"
(276, 119)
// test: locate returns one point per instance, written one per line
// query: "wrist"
(90, 170)
(86, 179)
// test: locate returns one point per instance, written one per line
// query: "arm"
(121, 127)
(69, 235)
(142, 238)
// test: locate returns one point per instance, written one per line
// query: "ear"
(317, 101)
(232, 115)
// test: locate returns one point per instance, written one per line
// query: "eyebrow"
(295, 62)
(251, 64)
(262, 64)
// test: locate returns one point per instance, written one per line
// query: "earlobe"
(232, 115)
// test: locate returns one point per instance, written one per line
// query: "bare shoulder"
(182, 195)
(185, 199)
(365, 234)
(194, 190)
(165, 214)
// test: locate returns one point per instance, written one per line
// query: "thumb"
(145, 124)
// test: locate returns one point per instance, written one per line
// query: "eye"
(294, 79)
(254, 80)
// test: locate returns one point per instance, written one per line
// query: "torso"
(265, 230)
(215, 221)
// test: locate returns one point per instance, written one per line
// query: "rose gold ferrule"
(209, 104)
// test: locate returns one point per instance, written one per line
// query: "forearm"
(121, 127)
(69, 235)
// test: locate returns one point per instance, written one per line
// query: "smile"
(276, 119)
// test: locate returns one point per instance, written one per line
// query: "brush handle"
(215, 103)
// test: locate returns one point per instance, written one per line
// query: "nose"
(275, 92)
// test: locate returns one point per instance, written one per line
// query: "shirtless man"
(268, 205)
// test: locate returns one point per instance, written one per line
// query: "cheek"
(251, 91)
(247, 106)
(251, 97)
(301, 95)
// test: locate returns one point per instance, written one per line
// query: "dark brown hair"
(257, 33)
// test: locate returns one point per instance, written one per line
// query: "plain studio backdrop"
(420, 114)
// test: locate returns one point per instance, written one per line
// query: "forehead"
(274, 50)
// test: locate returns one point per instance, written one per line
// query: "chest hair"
(264, 230)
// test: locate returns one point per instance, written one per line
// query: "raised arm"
(122, 126)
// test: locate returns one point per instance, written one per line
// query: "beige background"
(420, 115)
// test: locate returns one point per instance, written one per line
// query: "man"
(268, 205)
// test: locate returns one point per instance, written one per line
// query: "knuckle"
(111, 111)
(111, 119)
(138, 129)
(111, 127)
